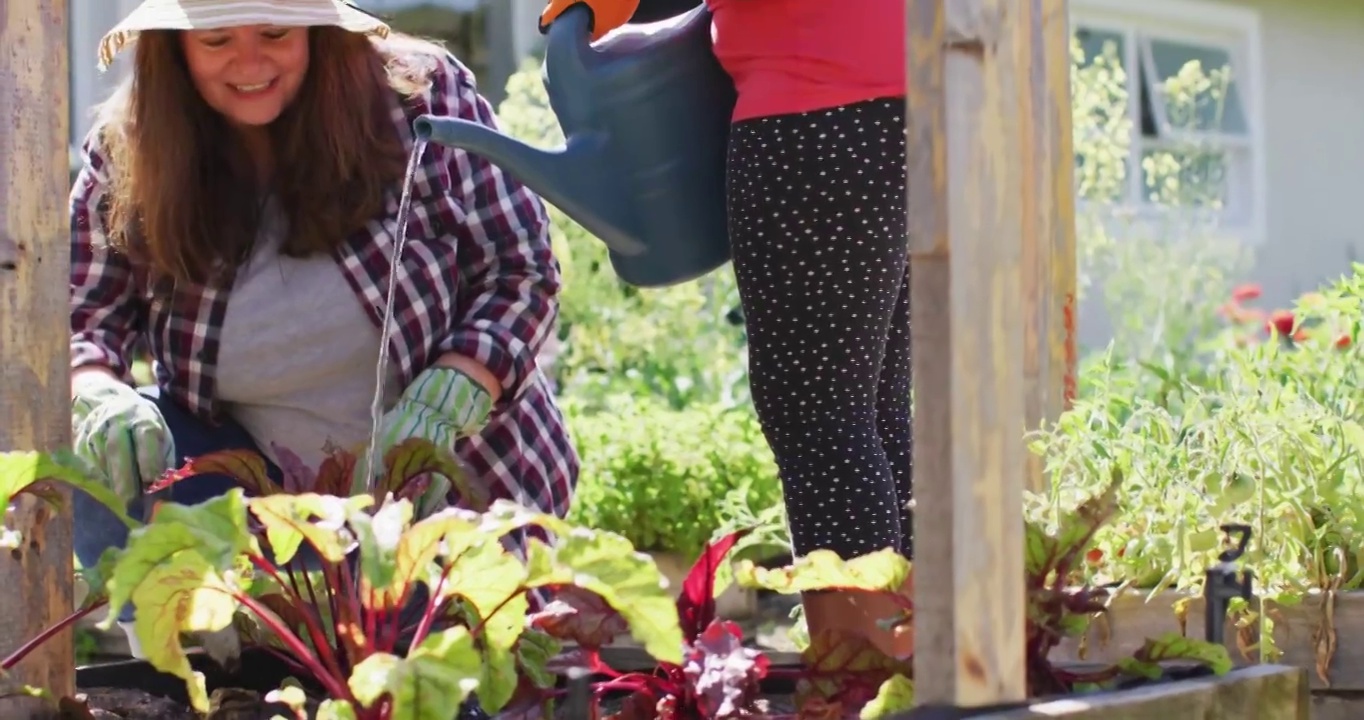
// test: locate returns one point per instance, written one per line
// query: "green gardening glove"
(441, 406)
(120, 433)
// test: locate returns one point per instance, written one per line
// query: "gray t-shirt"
(296, 364)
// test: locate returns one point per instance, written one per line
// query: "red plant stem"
(312, 598)
(632, 683)
(15, 657)
(371, 631)
(352, 596)
(396, 628)
(319, 638)
(429, 617)
(329, 576)
(334, 684)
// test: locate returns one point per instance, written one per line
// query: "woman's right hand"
(120, 433)
(607, 15)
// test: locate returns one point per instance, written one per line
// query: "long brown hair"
(185, 198)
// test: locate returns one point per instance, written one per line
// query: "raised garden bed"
(133, 690)
(1334, 667)
(1265, 692)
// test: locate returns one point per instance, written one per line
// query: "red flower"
(1343, 341)
(1300, 336)
(1281, 321)
(1242, 293)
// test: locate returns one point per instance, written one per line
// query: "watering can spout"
(566, 177)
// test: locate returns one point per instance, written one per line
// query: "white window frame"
(1230, 28)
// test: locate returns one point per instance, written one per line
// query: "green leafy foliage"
(665, 478)
(1266, 431)
(32, 474)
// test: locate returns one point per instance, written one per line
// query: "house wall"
(1297, 63)
(1313, 56)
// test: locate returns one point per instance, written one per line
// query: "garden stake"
(1223, 583)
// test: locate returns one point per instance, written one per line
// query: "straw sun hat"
(211, 14)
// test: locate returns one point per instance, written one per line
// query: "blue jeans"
(97, 529)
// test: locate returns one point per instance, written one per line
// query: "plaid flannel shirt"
(477, 278)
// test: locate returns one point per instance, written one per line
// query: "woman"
(817, 201)
(237, 210)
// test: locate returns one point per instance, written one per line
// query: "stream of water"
(376, 408)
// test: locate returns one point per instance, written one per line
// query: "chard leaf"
(215, 531)
(320, 519)
(895, 696)
(534, 651)
(1146, 661)
(335, 710)
(24, 473)
(335, 473)
(846, 668)
(608, 565)
(490, 579)
(246, 467)
(724, 673)
(378, 536)
(581, 617)
(415, 458)
(435, 678)
(884, 571)
(185, 594)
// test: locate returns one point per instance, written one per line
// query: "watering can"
(645, 113)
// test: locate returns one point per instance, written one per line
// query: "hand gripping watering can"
(645, 112)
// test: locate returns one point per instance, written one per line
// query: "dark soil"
(129, 704)
(120, 704)
(125, 704)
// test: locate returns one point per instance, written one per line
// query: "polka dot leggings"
(817, 223)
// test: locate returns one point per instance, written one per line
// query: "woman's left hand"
(442, 405)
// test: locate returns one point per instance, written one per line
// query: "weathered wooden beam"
(1043, 68)
(36, 579)
(967, 218)
(1263, 692)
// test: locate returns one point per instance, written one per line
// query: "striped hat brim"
(213, 14)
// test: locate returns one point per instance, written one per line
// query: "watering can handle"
(607, 15)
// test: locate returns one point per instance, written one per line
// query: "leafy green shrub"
(664, 478)
(1270, 436)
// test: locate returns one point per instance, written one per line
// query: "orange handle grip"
(607, 15)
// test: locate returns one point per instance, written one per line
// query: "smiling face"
(249, 73)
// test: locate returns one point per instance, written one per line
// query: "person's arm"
(509, 280)
(607, 15)
(106, 313)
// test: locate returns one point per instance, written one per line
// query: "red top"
(791, 56)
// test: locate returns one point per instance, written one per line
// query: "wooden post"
(984, 129)
(35, 395)
(1049, 253)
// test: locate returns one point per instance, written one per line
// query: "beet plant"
(393, 617)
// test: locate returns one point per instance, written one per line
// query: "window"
(1195, 140)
